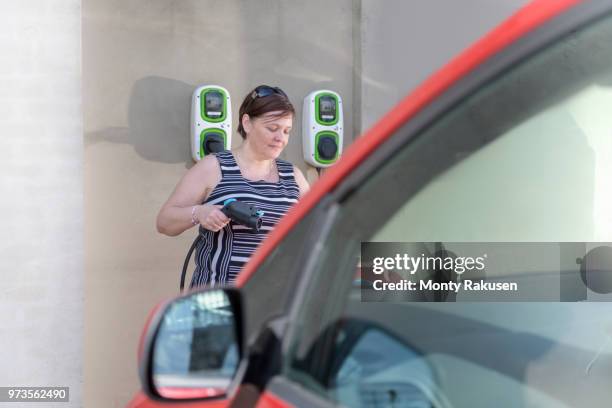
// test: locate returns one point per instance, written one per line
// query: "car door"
(520, 150)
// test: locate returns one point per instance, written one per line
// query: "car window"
(526, 158)
(556, 165)
(372, 356)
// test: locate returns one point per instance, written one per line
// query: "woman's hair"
(262, 100)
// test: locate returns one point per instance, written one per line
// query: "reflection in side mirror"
(195, 349)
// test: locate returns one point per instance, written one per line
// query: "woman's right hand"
(211, 217)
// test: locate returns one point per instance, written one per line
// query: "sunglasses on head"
(264, 90)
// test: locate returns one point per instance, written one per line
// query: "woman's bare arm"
(175, 215)
(300, 181)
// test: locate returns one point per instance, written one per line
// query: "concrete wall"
(403, 42)
(41, 190)
(142, 60)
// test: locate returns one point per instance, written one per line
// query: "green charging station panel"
(326, 147)
(210, 136)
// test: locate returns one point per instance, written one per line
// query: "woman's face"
(268, 134)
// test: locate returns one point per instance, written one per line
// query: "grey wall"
(141, 61)
(403, 42)
(41, 191)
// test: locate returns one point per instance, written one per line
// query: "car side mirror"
(193, 346)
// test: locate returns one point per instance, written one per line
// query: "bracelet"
(194, 221)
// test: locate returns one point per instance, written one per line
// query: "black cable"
(184, 272)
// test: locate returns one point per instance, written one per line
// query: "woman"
(251, 173)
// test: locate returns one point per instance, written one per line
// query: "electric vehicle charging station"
(211, 121)
(322, 128)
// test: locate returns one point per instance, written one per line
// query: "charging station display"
(322, 128)
(327, 108)
(211, 126)
(213, 108)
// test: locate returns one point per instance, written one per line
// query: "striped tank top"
(221, 255)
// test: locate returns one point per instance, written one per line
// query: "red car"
(511, 141)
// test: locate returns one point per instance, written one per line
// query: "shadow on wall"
(158, 119)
